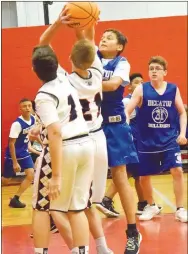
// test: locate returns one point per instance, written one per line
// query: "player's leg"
(133, 171)
(98, 190)
(27, 166)
(84, 153)
(178, 182)
(41, 234)
(8, 172)
(142, 202)
(62, 223)
(150, 164)
(121, 151)
(41, 204)
(26, 182)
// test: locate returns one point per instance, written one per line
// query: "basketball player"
(120, 146)
(17, 157)
(106, 206)
(158, 144)
(67, 160)
(88, 83)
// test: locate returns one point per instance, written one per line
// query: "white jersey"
(57, 101)
(90, 93)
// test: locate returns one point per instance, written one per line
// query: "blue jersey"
(133, 121)
(21, 144)
(112, 107)
(157, 125)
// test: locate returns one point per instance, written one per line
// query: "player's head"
(112, 43)
(157, 68)
(25, 107)
(45, 63)
(82, 54)
(135, 80)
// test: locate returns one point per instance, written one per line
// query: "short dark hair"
(121, 38)
(24, 100)
(45, 63)
(135, 75)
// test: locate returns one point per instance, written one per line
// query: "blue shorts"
(25, 163)
(120, 146)
(156, 163)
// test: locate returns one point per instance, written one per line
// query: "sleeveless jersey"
(112, 107)
(21, 144)
(157, 125)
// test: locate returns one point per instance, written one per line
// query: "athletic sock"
(80, 250)
(41, 250)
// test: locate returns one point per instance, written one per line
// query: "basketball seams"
(90, 14)
(82, 10)
(90, 19)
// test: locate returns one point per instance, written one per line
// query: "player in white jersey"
(87, 79)
(64, 174)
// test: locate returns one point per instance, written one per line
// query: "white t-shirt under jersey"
(16, 128)
(122, 70)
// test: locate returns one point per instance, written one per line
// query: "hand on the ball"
(64, 18)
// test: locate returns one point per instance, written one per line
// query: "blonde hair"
(159, 60)
(83, 54)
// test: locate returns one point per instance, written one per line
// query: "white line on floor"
(165, 199)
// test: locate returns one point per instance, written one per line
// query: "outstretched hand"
(64, 17)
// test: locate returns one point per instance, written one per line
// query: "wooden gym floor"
(162, 235)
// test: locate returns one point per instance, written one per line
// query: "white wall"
(32, 13)
(130, 10)
(9, 14)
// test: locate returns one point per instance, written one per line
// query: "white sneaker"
(102, 250)
(149, 212)
(181, 215)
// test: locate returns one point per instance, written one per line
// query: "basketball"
(84, 14)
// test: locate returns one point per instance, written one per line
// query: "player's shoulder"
(16, 124)
(123, 62)
(172, 85)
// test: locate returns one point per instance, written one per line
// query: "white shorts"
(100, 166)
(77, 172)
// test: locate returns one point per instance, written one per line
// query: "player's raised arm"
(120, 77)
(63, 19)
(87, 33)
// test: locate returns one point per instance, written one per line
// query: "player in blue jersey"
(106, 206)
(17, 157)
(120, 146)
(160, 104)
